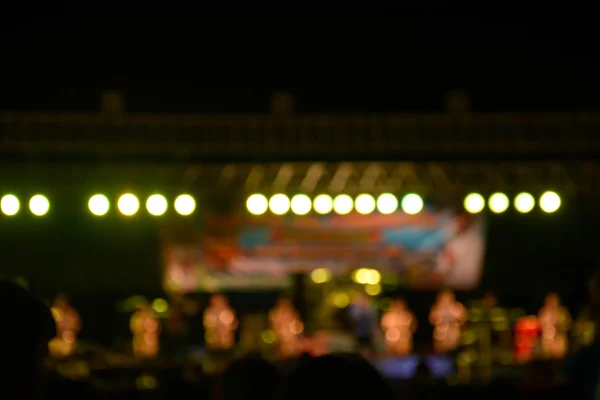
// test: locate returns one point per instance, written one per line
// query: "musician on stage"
(145, 328)
(555, 321)
(364, 317)
(447, 316)
(285, 322)
(68, 325)
(399, 325)
(220, 324)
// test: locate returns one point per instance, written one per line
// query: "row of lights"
(99, 205)
(280, 204)
(387, 203)
(301, 204)
(524, 203)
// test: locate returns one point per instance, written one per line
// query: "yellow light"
(412, 204)
(39, 205)
(268, 336)
(373, 290)
(98, 205)
(320, 275)
(387, 203)
(279, 204)
(498, 203)
(474, 203)
(157, 204)
(374, 277)
(550, 202)
(128, 204)
(342, 204)
(257, 204)
(185, 204)
(341, 300)
(10, 205)
(160, 305)
(364, 204)
(301, 204)
(323, 204)
(524, 203)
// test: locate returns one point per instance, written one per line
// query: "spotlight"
(257, 204)
(524, 203)
(128, 204)
(550, 202)
(156, 205)
(412, 204)
(301, 204)
(323, 204)
(10, 205)
(39, 205)
(185, 204)
(98, 205)
(387, 203)
(364, 204)
(320, 275)
(474, 203)
(342, 204)
(279, 204)
(498, 203)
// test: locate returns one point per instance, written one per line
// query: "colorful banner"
(431, 249)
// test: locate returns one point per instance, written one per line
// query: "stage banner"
(429, 250)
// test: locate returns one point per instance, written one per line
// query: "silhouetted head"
(552, 301)
(218, 301)
(27, 326)
(336, 376)
(251, 378)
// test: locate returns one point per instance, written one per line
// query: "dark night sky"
(337, 63)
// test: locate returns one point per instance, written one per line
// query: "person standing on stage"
(364, 317)
(447, 316)
(146, 330)
(286, 324)
(220, 324)
(554, 321)
(399, 325)
(68, 325)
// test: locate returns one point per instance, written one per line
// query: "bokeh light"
(98, 205)
(185, 204)
(279, 204)
(412, 204)
(373, 289)
(301, 204)
(157, 205)
(550, 202)
(39, 205)
(364, 204)
(160, 306)
(128, 204)
(387, 203)
(320, 275)
(257, 204)
(498, 203)
(474, 203)
(10, 205)
(323, 204)
(524, 202)
(342, 204)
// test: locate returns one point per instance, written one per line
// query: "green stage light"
(474, 203)
(301, 204)
(343, 204)
(524, 203)
(10, 205)
(128, 204)
(98, 205)
(257, 204)
(323, 204)
(156, 205)
(387, 203)
(364, 204)
(279, 204)
(39, 205)
(185, 204)
(550, 202)
(498, 203)
(412, 204)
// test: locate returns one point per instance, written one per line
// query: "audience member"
(250, 378)
(336, 376)
(27, 328)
